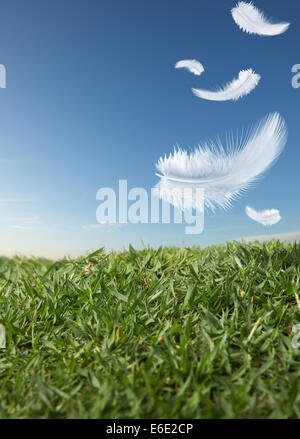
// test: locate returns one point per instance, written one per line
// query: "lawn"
(167, 333)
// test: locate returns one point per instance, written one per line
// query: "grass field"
(168, 333)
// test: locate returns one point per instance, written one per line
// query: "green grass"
(168, 333)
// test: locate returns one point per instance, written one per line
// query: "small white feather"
(192, 65)
(222, 175)
(265, 217)
(237, 88)
(253, 21)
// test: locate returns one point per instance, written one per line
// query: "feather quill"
(222, 175)
(237, 88)
(192, 65)
(265, 217)
(253, 21)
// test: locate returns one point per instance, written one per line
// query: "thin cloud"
(19, 227)
(288, 237)
(29, 219)
(101, 226)
(8, 161)
(13, 200)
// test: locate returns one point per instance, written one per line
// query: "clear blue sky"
(93, 97)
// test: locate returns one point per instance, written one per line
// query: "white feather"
(253, 21)
(241, 86)
(222, 175)
(265, 217)
(192, 65)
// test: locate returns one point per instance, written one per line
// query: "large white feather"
(192, 65)
(232, 91)
(222, 175)
(265, 217)
(253, 21)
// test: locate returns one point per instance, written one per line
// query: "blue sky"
(92, 97)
